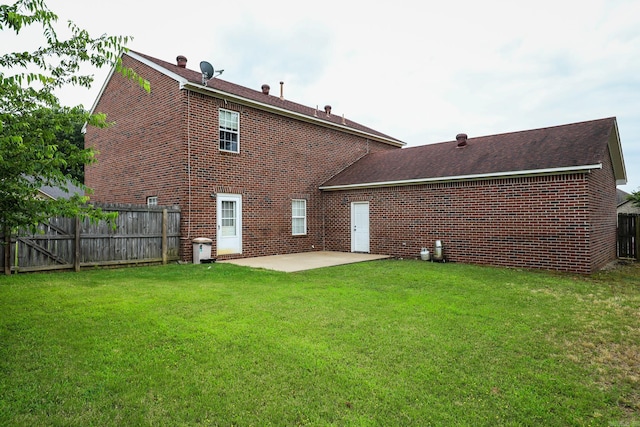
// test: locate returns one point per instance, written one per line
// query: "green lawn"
(379, 343)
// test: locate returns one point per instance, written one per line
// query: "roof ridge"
(501, 134)
(255, 95)
(551, 127)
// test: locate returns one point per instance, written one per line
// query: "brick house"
(262, 175)
(543, 198)
(166, 148)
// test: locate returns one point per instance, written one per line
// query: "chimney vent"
(462, 140)
(265, 89)
(327, 109)
(282, 91)
(181, 61)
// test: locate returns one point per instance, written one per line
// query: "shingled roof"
(193, 80)
(558, 149)
(621, 197)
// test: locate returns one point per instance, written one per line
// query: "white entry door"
(229, 224)
(360, 227)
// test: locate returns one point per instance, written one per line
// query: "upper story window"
(152, 201)
(229, 131)
(298, 217)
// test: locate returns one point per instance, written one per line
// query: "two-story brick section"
(262, 175)
(236, 160)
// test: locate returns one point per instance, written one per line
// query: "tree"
(69, 138)
(635, 197)
(32, 119)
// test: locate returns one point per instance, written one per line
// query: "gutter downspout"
(189, 164)
(324, 227)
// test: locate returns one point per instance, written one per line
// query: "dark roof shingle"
(621, 197)
(257, 95)
(572, 145)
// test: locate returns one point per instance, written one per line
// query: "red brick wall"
(531, 222)
(603, 215)
(142, 154)
(159, 137)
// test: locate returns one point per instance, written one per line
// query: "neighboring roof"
(559, 149)
(192, 80)
(621, 197)
(628, 207)
(59, 192)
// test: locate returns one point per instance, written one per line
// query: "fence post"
(7, 251)
(637, 242)
(165, 221)
(16, 256)
(76, 258)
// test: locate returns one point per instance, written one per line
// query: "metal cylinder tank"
(437, 253)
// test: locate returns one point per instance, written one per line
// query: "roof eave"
(472, 177)
(617, 158)
(45, 194)
(195, 87)
(97, 99)
(115, 67)
(284, 112)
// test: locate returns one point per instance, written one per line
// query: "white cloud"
(418, 72)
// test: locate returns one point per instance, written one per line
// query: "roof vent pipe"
(282, 91)
(265, 89)
(181, 61)
(462, 139)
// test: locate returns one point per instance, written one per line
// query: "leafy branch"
(35, 149)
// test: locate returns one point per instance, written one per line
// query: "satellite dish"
(208, 72)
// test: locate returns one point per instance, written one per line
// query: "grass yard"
(381, 343)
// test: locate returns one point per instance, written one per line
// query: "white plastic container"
(201, 249)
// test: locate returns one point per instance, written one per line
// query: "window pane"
(298, 226)
(228, 141)
(229, 120)
(228, 219)
(299, 217)
(229, 130)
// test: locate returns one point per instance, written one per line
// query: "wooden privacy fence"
(141, 235)
(628, 236)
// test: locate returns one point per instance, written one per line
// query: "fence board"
(629, 236)
(140, 234)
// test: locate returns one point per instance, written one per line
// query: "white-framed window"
(229, 131)
(298, 217)
(152, 201)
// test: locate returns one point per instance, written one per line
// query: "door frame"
(222, 246)
(356, 243)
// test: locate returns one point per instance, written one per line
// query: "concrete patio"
(304, 261)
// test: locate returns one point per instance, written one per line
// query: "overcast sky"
(418, 71)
